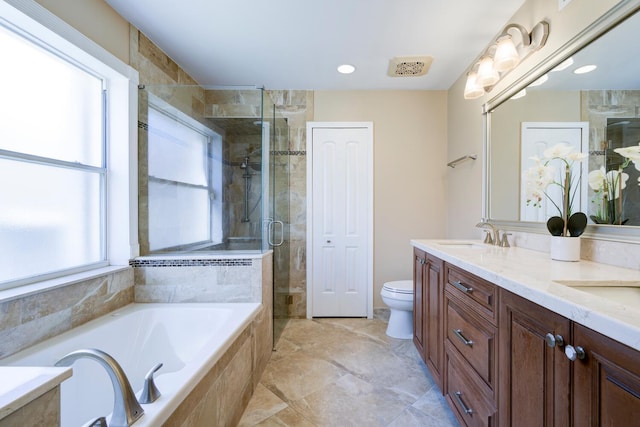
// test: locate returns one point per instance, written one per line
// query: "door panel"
(340, 279)
(540, 136)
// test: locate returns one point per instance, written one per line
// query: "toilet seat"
(399, 287)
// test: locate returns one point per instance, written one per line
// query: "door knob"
(328, 241)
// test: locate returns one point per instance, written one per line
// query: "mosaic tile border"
(289, 153)
(242, 262)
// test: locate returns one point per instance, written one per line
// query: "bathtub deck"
(21, 385)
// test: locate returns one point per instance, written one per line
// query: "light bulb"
(472, 89)
(506, 56)
(487, 76)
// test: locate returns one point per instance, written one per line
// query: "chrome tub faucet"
(126, 409)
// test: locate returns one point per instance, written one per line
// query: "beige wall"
(465, 128)
(96, 20)
(410, 139)
(506, 142)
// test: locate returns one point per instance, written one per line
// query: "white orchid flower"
(617, 182)
(597, 179)
(560, 150)
(577, 157)
(631, 153)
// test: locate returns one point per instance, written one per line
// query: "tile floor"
(345, 372)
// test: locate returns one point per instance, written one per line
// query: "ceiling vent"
(409, 66)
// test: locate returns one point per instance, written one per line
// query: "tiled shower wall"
(297, 106)
(596, 107)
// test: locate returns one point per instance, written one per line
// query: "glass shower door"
(279, 230)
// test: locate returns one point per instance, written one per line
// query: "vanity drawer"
(474, 339)
(467, 395)
(479, 294)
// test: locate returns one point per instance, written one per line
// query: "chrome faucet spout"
(496, 235)
(126, 409)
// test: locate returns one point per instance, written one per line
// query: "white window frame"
(121, 82)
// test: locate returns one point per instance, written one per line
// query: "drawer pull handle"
(465, 408)
(462, 338)
(458, 284)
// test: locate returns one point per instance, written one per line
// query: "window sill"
(59, 282)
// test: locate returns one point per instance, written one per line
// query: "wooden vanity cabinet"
(427, 311)
(419, 260)
(501, 359)
(470, 334)
(606, 382)
(534, 378)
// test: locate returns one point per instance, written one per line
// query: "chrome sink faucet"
(126, 409)
(494, 238)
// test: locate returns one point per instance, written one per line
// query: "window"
(65, 186)
(184, 181)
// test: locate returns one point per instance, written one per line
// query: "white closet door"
(341, 214)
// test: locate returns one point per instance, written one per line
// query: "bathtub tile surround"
(353, 375)
(43, 411)
(220, 398)
(30, 396)
(200, 278)
(27, 320)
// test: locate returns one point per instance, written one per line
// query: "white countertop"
(21, 385)
(534, 276)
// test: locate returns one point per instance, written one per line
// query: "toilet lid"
(399, 286)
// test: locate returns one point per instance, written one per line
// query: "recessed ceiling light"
(585, 69)
(346, 69)
(540, 81)
(520, 94)
(566, 63)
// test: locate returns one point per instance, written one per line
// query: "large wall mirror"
(596, 112)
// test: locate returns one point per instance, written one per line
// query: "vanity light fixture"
(585, 69)
(346, 69)
(472, 89)
(503, 56)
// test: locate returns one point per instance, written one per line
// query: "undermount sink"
(626, 292)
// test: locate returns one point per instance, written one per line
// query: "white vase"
(565, 248)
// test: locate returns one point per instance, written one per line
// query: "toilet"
(398, 296)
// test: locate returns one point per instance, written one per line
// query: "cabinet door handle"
(465, 408)
(554, 340)
(462, 338)
(574, 353)
(458, 284)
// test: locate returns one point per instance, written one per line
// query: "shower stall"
(211, 177)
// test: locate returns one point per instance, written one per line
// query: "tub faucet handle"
(98, 422)
(150, 392)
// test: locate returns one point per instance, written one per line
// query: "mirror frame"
(616, 15)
